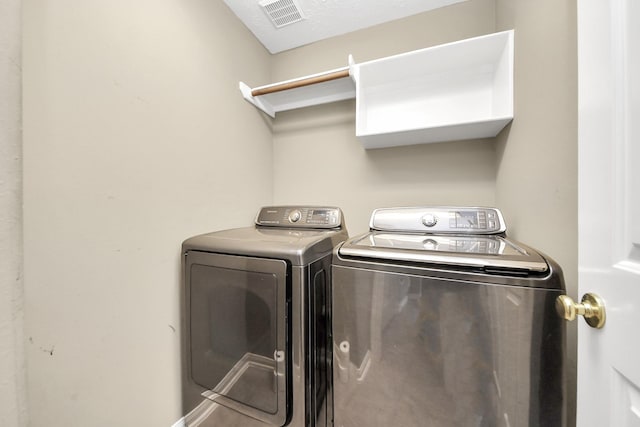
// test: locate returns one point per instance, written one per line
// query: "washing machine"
(441, 320)
(257, 349)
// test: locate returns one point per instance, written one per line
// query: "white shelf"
(335, 89)
(460, 90)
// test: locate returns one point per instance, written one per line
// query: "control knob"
(429, 220)
(295, 216)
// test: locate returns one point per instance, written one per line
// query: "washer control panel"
(300, 216)
(440, 219)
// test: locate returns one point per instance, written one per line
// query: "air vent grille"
(282, 12)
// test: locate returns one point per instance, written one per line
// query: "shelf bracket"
(246, 94)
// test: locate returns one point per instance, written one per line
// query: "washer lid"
(486, 251)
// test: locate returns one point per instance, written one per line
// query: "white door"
(609, 210)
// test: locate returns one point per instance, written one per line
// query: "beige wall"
(537, 171)
(537, 154)
(318, 159)
(12, 369)
(135, 137)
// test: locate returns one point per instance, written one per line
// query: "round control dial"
(295, 216)
(429, 220)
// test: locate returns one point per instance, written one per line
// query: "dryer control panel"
(439, 220)
(300, 217)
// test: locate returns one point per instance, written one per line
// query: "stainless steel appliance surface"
(439, 319)
(257, 348)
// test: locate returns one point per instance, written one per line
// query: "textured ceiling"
(325, 18)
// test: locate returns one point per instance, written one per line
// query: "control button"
(429, 220)
(492, 224)
(295, 216)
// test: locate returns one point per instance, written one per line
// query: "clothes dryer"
(441, 320)
(256, 321)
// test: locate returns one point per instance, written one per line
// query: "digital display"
(318, 214)
(466, 219)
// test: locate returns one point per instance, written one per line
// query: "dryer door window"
(237, 332)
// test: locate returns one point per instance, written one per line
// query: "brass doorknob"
(591, 307)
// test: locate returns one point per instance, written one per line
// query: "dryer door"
(237, 332)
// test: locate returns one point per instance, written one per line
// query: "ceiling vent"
(282, 12)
